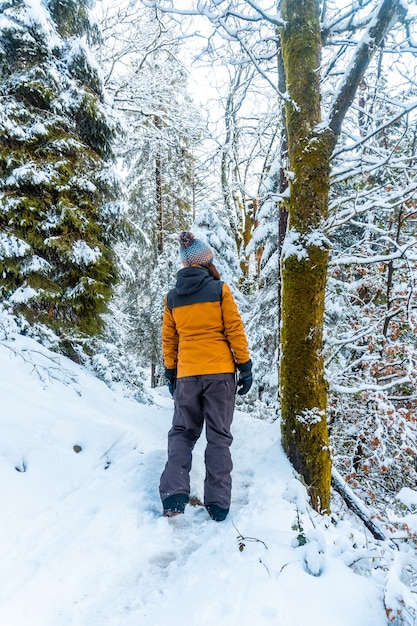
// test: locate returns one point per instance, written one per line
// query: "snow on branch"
(45, 364)
(220, 21)
(385, 15)
(11, 246)
(346, 20)
(150, 4)
(405, 110)
(276, 20)
(378, 258)
(356, 505)
(395, 199)
(249, 52)
(204, 10)
(369, 387)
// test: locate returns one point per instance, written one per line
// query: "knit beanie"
(194, 251)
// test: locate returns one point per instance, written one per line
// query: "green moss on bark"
(302, 384)
(303, 388)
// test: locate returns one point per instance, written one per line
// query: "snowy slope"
(83, 542)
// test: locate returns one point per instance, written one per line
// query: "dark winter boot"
(174, 505)
(216, 512)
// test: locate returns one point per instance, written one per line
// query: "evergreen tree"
(159, 186)
(159, 152)
(263, 319)
(58, 188)
(148, 84)
(146, 309)
(212, 227)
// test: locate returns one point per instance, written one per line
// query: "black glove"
(171, 376)
(245, 377)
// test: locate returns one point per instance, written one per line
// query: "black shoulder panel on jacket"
(210, 292)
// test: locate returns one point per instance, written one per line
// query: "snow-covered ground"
(83, 543)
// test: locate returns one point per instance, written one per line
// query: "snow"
(11, 246)
(310, 417)
(34, 15)
(35, 264)
(293, 247)
(408, 497)
(297, 244)
(29, 172)
(23, 294)
(83, 254)
(83, 541)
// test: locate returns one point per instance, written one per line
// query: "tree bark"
(304, 259)
(159, 201)
(305, 256)
(283, 186)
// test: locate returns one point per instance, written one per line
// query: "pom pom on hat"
(194, 251)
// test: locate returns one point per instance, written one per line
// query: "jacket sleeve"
(233, 327)
(169, 339)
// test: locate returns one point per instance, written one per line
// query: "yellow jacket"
(202, 331)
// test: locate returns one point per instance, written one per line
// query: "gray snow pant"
(208, 398)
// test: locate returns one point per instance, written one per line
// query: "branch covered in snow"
(386, 13)
(356, 505)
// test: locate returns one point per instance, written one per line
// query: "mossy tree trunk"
(305, 255)
(305, 252)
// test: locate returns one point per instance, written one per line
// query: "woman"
(203, 342)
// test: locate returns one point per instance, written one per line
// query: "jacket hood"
(191, 279)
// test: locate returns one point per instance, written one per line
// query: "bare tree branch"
(386, 13)
(407, 109)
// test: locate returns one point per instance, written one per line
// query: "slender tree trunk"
(283, 186)
(161, 226)
(390, 277)
(258, 251)
(246, 234)
(305, 256)
(159, 201)
(159, 193)
(241, 223)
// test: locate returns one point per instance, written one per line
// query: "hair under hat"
(194, 251)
